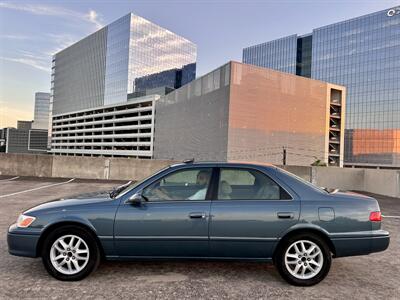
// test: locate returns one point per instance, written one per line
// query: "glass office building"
(362, 54)
(104, 88)
(277, 54)
(103, 68)
(41, 113)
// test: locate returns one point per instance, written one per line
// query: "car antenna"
(188, 161)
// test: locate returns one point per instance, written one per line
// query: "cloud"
(15, 37)
(61, 41)
(33, 61)
(91, 17)
(95, 18)
(55, 42)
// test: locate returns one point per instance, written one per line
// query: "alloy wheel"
(304, 259)
(69, 254)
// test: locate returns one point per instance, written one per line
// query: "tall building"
(362, 54)
(105, 67)
(245, 113)
(102, 87)
(41, 113)
(24, 125)
(23, 139)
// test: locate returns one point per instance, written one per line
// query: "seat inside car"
(224, 190)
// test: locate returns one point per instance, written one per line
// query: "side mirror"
(135, 199)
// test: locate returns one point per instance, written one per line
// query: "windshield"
(309, 184)
(127, 188)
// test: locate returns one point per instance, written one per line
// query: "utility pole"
(284, 156)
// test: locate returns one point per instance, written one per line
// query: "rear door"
(250, 211)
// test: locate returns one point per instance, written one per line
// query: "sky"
(32, 31)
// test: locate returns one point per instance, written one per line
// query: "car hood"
(61, 204)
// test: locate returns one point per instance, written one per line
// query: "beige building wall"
(271, 110)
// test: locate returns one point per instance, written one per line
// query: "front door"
(250, 213)
(172, 222)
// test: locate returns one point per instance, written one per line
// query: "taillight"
(375, 216)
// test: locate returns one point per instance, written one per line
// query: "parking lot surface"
(376, 276)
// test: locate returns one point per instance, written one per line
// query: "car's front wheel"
(70, 253)
(304, 259)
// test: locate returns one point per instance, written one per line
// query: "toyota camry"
(224, 211)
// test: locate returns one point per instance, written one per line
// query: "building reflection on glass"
(362, 54)
(142, 55)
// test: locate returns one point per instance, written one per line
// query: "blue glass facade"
(154, 50)
(103, 68)
(278, 54)
(117, 61)
(362, 54)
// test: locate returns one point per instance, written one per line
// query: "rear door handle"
(285, 215)
(197, 215)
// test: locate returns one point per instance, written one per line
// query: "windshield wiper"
(115, 191)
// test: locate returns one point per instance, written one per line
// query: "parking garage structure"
(124, 129)
(241, 112)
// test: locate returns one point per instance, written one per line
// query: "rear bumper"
(22, 244)
(350, 246)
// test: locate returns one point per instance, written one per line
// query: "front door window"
(189, 184)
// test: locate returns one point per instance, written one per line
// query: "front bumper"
(22, 243)
(378, 241)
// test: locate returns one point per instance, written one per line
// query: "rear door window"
(248, 184)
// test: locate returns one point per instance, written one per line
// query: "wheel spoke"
(314, 263)
(63, 244)
(315, 254)
(58, 257)
(303, 270)
(69, 266)
(311, 249)
(292, 256)
(58, 248)
(62, 263)
(296, 249)
(82, 251)
(296, 270)
(71, 242)
(310, 268)
(78, 243)
(75, 263)
(303, 248)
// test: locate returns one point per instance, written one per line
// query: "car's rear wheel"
(303, 259)
(70, 253)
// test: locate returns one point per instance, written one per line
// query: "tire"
(70, 253)
(318, 259)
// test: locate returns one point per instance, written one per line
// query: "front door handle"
(285, 215)
(197, 215)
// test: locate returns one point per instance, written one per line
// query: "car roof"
(225, 163)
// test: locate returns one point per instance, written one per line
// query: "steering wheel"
(159, 192)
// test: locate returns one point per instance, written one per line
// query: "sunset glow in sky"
(32, 31)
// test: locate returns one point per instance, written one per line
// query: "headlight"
(24, 221)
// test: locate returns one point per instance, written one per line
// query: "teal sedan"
(224, 211)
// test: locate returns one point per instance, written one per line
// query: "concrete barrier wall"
(79, 167)
(106, 168)
(301, 171)
(385, 182)
(135, 169)
(26, 165)
(340, 178)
